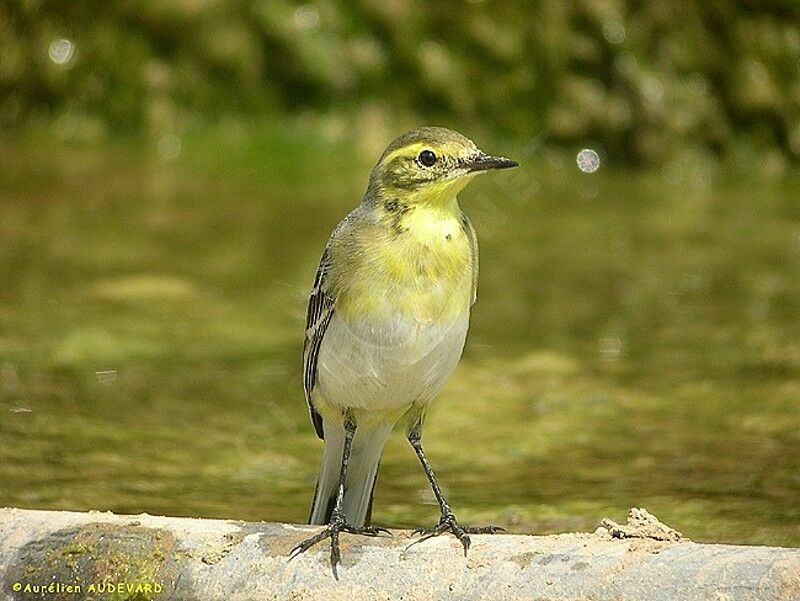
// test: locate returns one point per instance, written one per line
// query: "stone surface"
(196, 559)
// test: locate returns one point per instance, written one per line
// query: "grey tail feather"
(332, 502)
(368, 520)
(328, 509)
(362, 472)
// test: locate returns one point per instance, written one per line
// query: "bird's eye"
(427, 158)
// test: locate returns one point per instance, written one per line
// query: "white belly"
(390, 364)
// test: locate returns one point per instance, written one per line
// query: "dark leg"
(448, 520)
(337, 523)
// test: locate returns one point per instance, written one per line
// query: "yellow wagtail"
(386, 323)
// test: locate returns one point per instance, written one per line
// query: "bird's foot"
(336, 526)
(448, 523)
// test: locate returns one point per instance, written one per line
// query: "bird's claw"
(336, 526)
(484, 529)
(448, 523)
(367, 530)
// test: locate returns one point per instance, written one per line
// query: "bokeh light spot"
(306, 18)
(588, 160)
(614, 32)
(169, 147)
(61, 51)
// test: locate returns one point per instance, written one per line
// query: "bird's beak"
(482, 162)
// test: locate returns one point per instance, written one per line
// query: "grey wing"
(473, 242)
(320, 311)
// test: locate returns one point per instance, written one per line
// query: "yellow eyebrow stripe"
(405, 151)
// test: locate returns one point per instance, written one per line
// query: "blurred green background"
(170, 171)
(647, 81)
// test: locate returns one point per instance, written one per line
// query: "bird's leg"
(448, 520)
(337, 522)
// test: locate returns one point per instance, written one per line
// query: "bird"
(386, 324)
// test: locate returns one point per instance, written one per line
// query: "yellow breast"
(416, 265)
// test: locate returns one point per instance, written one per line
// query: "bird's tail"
(362, 468)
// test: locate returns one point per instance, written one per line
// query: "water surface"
(636, 341)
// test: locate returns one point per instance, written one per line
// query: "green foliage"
(641, 80)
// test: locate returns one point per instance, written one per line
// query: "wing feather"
(320, 311)
(473, 242)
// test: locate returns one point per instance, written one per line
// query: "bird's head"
(431, 164)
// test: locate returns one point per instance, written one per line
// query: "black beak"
(482, 162)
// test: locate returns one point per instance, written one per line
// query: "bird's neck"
(405, 216)
(439, 195)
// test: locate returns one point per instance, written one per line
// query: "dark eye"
(427, 158)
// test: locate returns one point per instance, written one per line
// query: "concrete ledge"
(183, 559)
